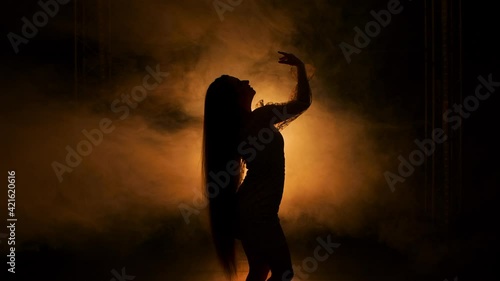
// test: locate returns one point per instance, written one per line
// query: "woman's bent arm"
(302, 99)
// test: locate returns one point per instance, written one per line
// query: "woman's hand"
(290, 59)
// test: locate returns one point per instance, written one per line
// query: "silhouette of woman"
(247, 209)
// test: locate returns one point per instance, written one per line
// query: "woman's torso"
(260, 193)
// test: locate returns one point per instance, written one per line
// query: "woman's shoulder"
(262, 114)
(265, 111)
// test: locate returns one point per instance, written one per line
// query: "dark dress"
(259, 197)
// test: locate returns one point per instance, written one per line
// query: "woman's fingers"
(285, 55)
(285, 58)
(289, 59)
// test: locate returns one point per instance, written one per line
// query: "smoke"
(134, 180)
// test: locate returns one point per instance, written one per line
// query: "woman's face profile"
(244, 91)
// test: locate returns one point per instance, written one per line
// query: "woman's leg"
(267, 250)
(280, 262)
(281, 265)
(257, 262)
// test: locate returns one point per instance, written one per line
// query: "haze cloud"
(151, 162)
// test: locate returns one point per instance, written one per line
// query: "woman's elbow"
(302, 106)
(306, 104)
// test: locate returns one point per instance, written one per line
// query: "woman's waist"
(265, 173)
(262, 186)
(258, 209)
(261, 198)
(266, 163)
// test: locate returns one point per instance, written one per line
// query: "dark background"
(387, 83)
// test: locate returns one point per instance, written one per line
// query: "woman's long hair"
(223, 119)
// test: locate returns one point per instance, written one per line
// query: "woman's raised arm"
(283, 113)
(303, 95)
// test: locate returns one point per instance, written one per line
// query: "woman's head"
(230, 91)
